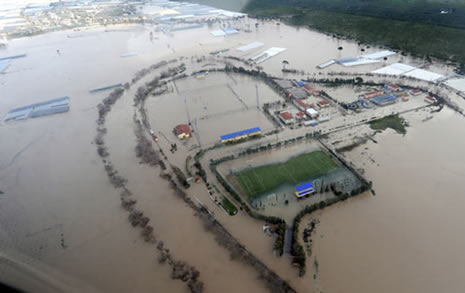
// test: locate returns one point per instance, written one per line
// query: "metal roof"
(58, 105)
(304, 187)
(304, 192)
(383, 99)
(239, 133)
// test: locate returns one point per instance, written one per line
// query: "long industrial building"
(239, 135)
(54, 106)
(384, 100)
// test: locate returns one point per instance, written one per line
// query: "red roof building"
(323, 104)
(373, 94)
(300, 115)
(394, 87)
(430, 100)
(183, 131)
(301, 105)
(286, 117)
(308, 88)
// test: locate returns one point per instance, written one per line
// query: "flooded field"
(281, 201)
(215, 105)
(59, 215)
(408, 237)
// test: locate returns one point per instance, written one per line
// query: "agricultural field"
(254, 182)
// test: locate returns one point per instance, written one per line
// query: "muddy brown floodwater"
(409, 237)
(61, 220)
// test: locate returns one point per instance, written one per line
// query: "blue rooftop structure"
(300, 83)
(230, 31)
(304, 189)
(384, 100)
(240, 133)
(54, 106)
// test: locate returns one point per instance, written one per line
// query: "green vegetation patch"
(449, 13)
(392, 121)
(254, 182)
(229, 206)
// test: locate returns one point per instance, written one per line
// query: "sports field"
(254, 182)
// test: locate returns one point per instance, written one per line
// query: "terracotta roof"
(323, 103)
(182, 128)
(373, 94)
(300, 114)
(302, 104)
(286, 115)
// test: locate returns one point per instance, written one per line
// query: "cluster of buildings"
(39, 18)
(307, 101)
(25, 19)
(388, 95)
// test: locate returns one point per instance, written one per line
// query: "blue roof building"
(384, 100)
(240, 134)
(304, 189)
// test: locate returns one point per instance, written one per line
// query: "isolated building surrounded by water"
(183, 131)
(304, 190)
(50, 107)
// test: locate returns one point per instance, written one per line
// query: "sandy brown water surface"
(60, 216)
(408, 238)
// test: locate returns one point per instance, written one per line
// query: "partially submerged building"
(373, 94)
(384, 100)
(324, 104)
(297, 93)
(299, 116)
(311, 123)
(394, 87)
(301, 105)
(183, 131)
(312, 113)
(304, 190)
(308, 88)
(50, 107)
(284, 83)
(239, 135)
(286, 118)
(430, 100)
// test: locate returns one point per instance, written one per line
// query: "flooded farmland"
(60, 215)
(218, 104)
